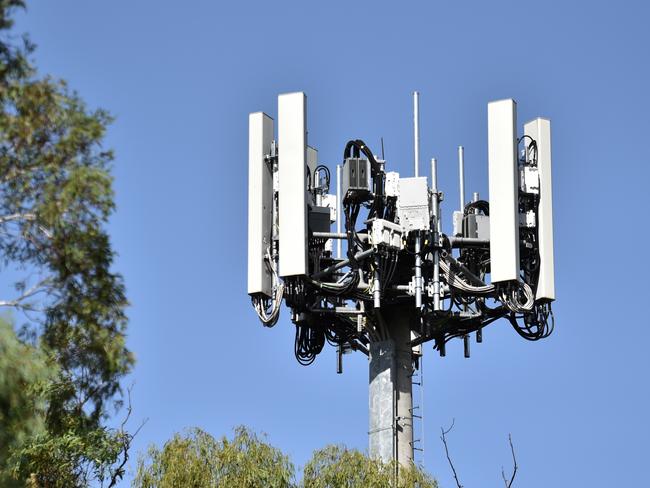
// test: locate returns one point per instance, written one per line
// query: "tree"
(338, 467)
(23, 372)
(198, 460)
(55, 199)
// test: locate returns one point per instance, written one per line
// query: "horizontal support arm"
(341, 264)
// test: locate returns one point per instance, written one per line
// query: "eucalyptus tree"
(195, 459)
(55, 199)
(339, 467)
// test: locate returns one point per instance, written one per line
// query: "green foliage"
(198, 460)
(338, 467)
(23, 373)
(72, 457)
(55, 198)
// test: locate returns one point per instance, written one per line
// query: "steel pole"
(339, 170)
(436, 234)
(390, 394)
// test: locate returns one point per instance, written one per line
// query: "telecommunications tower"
(388, 279)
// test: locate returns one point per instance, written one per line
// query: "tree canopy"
(23, 371)
(197, 460)
(55, 200)
(338, 467)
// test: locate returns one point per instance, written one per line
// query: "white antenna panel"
(540, 130)
(504, 190)
(260, 203)
(292, 168)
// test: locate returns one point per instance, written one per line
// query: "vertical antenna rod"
(416, 131)
(338, 209)
(418, 271)
(436, 234)
(461, 169)
(416, 154)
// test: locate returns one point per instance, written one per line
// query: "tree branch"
(127, 438)
(507, 483)
(17, 216)
(26, 216)
(443, 438)
(39, 287)
(16, 172)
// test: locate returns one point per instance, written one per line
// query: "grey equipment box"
(319, 219)
(413, 203)
(476, 226)
(356, 185)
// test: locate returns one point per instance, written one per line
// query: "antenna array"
(397, 280)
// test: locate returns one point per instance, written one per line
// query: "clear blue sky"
(181, 78)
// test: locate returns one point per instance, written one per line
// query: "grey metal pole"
(418, 272)
(416, 154)
(338, 208)
(434, 175)
(390, 391)
(376, 286)
(436, 234)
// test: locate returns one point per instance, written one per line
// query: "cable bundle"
(346, 284)
(536, 325)
(459, 277)
(308, 344)
(268, 309)
(512, 297)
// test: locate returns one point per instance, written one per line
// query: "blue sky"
(181, 79)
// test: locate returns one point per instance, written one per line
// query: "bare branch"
(17, 216)
(443, 438)
(118, 473)
(27, 216)
(39, 287)
(45, 232)
(508, 484)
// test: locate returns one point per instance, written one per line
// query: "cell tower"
(396, 279)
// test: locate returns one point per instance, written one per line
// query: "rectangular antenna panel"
(260, 203)
(540, 130)
(292, 146)
(504, 190)
(312, 162)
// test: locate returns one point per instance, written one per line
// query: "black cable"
(327, 176)
(481, 205)
(308, 344)
(531, 147)
(535, 324)
(356, 147)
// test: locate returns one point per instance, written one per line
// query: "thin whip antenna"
(461, 175)
(416, 131)
(382, 149)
